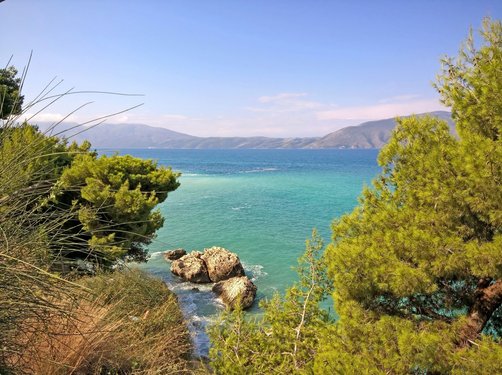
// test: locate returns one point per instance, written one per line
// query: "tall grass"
(129, 324)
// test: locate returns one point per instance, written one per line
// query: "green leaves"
(11, 99)
(471, 84)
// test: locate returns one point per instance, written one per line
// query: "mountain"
(240, 142)
(144, 136)
(372, 134)
(120, 135)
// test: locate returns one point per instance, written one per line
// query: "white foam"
(156, 254)
(238, 208)
(259, 170)
(186, 286)
(256, 270)
(192, 299)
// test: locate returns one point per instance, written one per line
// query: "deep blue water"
(260, 204)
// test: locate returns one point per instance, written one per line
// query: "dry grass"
(131, 324)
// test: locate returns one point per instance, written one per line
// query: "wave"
(259, 170)
(192, 304)
(200, 306)
(238, 208)
(156, 254)
(190, 287)
(254, 271)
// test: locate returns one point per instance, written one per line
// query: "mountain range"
(372, 134)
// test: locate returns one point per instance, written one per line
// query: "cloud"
(174, 117)
(284, 102)
(399, 98)
(49, 117)
(122, 118)
(381, 110)
(281, 97)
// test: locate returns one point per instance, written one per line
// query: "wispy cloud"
(174, 117)
(285, 102)
(399, 98)
(285, 96)
(49, 117)
(382, 110)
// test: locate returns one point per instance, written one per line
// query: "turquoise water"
(260, 204)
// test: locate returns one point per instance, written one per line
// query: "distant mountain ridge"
(372, 134)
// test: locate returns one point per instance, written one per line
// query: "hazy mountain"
(120, 135)
(240, 142)
(144, 136)
(372, 134)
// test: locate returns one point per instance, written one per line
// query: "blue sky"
(275, 68)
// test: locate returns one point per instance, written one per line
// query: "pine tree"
(417, 266)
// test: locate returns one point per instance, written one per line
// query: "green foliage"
(29, 157)
(11, 99)
(285, 339)
(109, 201)
(417, 265)
(115, 198)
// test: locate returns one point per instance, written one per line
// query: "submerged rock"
(174, 254)
(236, 289)
(191, 268)
(222, 264)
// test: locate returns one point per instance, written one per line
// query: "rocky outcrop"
(222, 264)
(174, 254)
(236, 290)
(215, 264)
(191, 268)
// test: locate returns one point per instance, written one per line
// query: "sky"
(236, 68)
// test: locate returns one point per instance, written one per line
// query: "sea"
(259, 204)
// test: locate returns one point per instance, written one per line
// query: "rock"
(237, 288)
(174, 254)
(222, 264)
(191, 268)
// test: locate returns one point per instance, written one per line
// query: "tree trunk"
(488, 297)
